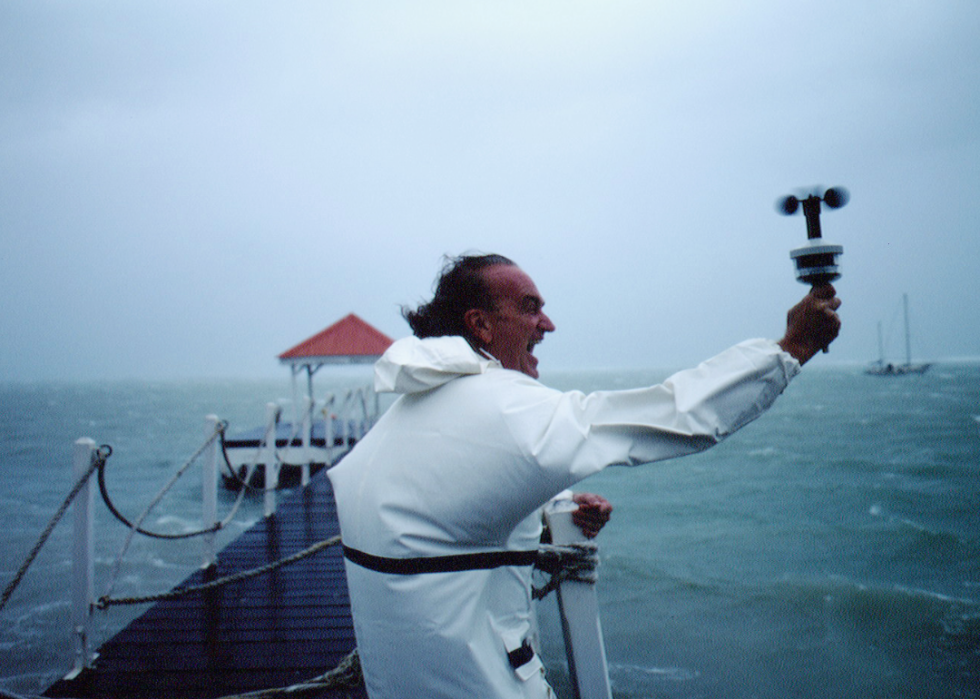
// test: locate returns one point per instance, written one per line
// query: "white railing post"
(578, 607)
(209, 490)
(328, 437)
(362, 394)
(83, 569)
(271, 468)
(304, 479)
(345, 416)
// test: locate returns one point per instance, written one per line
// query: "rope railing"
(99, 459)
(346, 675)
(245, 480)
(105, 601)
(217, 526)
(281, 455)
(243, 477)
(136, 527)
(98, 466)
(103, 489)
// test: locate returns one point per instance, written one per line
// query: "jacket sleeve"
(573, 435)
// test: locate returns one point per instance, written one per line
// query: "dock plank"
(274, 630)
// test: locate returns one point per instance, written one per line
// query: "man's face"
(517, 323)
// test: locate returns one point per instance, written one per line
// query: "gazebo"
(348, 341)
(306, 444)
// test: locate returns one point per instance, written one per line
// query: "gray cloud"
(188, 189)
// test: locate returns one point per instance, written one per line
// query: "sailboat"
(882, 368)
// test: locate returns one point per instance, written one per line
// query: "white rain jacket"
(462, 463)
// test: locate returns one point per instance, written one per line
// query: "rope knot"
(575, 562)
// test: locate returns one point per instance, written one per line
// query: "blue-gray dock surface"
(277, 629)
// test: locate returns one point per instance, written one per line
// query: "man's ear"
(480, 325)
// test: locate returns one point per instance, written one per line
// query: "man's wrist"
(800, 352)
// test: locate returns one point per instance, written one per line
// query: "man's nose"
(546, 324)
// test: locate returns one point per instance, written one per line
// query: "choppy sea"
(830, 549)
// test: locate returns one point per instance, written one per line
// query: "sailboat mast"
(879, 368)
(908, 342)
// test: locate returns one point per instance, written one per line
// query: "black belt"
(440, 564)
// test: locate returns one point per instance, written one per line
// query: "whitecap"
(185, 525)
(918, 593)
(671, 674)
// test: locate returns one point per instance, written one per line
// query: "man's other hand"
(592, 514)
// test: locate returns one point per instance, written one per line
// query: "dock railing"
(344, 418)
(318, 433)
(87, 459)
(354, 415)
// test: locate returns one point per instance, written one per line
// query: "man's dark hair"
(459, 287)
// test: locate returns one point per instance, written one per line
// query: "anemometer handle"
(816, 262)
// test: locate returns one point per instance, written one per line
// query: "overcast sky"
(187, 188)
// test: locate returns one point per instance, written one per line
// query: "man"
(440, 503)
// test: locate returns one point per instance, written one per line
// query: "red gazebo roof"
(349, 339)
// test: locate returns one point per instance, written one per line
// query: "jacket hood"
(411, 365)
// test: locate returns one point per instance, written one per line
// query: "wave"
(636, 676)
(896, 615)
(929, 542)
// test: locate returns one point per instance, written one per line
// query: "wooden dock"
(274, 630)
